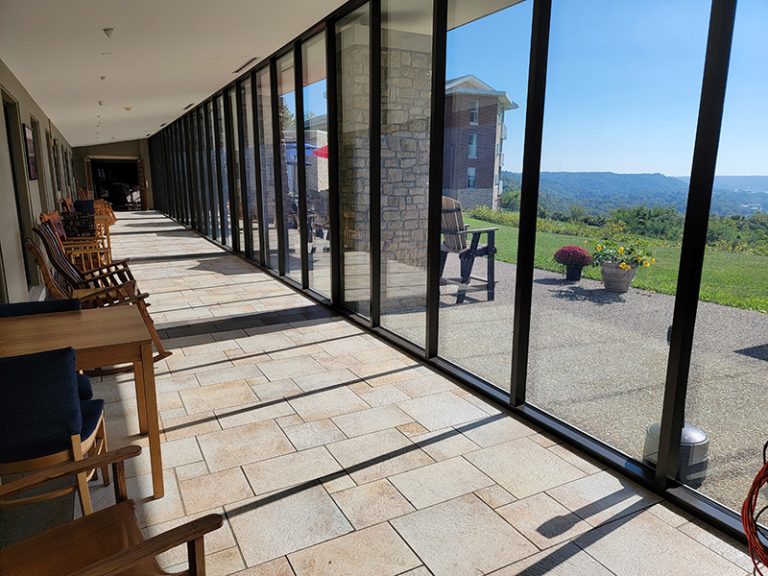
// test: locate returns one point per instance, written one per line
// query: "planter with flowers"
(619, 262)
(574, 258)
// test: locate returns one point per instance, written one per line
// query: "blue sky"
(624, 83)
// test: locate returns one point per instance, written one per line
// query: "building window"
(474, 112)
(471, 177)
(472, 146)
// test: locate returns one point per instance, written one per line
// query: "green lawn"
(733, 279)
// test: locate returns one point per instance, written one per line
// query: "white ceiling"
(164, 55)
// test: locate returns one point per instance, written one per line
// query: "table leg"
(141, 404)
(153, 423)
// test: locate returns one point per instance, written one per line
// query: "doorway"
(118, 181)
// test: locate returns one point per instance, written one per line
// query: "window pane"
(234, 153)
(267, 159)
(485, 94)
(250, 166)
(610, 186)
(726, 390)
(203, 171)
(221, 146)
(289, 165)
(214, 192)
(316, 162)
(406, 79)
(353, 86)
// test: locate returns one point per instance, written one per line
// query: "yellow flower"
(646, 263)
(624, 266)
(653, 260)
(621, 249)
(599, 247)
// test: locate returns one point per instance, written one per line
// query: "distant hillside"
(602, 192)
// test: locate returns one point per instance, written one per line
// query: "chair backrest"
(453, 225)
(55, 285)
(40, 407)
(56, 255)
(54, 218)
(67, 205)
(82, 193)
(84, 207)
(44, 307)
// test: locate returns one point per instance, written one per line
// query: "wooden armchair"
(115, 276)
(455, 235)
(108, 542)
(85, 252)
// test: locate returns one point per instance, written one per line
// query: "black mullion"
(229, 146)
(436, 144)
(245, 201)
(257, 167)
(529, 194)
(334, 200)
(301, 164)
(192, 181)
(282, 237)
(183, 173)
(693, 247)
(179, 212)
(219, 180)
(375, 160)
(202, 161)
(212, 193)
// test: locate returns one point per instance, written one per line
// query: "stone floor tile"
(371, 420)
(603, 497)
(220, 374)
(180, 364)
(311, 434)
(275, 390)
(192, 425)
(565, 560)
(382, 395)
(349, 345)
(730, 550)
(207, 347)
(573, 456)
(378, 455)
(544, 440)
(383, 554)
(277, 567)
(543, 520)
(338, 483)
(290, 367)
(444, 444)
(412, 429)
(439, 482)
(243, 445)
(440, 410)
(372, 503)
(290, 470)
(495, 430)
(670, 513)
(192, 470)
(425, 385)
(644, 545)
(330, 379)
(265, 343)
(268, 529)
(487, 541)
(214, 490)
(206, 398)
(289, 420)
(169, 507)
(327, 404)
(495, 496)
(250, 413)
(224, 562)
(523, 467)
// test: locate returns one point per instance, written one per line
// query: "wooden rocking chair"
(116, 276)
(108, 542)
(84, 252)
(455, 242)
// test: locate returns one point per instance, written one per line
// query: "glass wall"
(726, 391)
(267, 159)
(233, 149)
(210, 140)
(250, 168)
(406, 80)
(316, 162)
(289, 165)
(202, 170)
(598, 351)
(353, 104)
(221, 150)
(485, 96)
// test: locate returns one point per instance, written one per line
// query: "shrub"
(573, 256)
(627, 253)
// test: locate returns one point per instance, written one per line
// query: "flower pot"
(616, 279)
(573, 272)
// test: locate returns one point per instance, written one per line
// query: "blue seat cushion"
(84, 389)
(92, 411)
(44, 307)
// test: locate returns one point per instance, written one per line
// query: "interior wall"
(10, 243)
(130, 148)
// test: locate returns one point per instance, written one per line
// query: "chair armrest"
(118, 563)
(115, 294)
(122, 262)
(43, 476)
(477, 230)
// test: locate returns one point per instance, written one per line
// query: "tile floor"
(332, 453)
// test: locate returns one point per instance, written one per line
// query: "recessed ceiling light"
(108, 32)
(101, 102)
(163, 124)
(103, 78)
(149, 134)
(188, 106)
(128, 108)
(244, 66)
(106, 53)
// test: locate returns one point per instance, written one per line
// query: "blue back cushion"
(44, 307)
(39, 404)
(84, 207)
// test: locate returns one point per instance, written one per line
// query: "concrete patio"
(331, 452)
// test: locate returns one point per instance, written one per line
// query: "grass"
(733, 279)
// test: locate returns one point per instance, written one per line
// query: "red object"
(750, 517)
(321, 152)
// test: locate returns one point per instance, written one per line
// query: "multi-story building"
(474, 135)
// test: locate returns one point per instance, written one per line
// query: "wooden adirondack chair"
(84, 252)
(455, 235)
